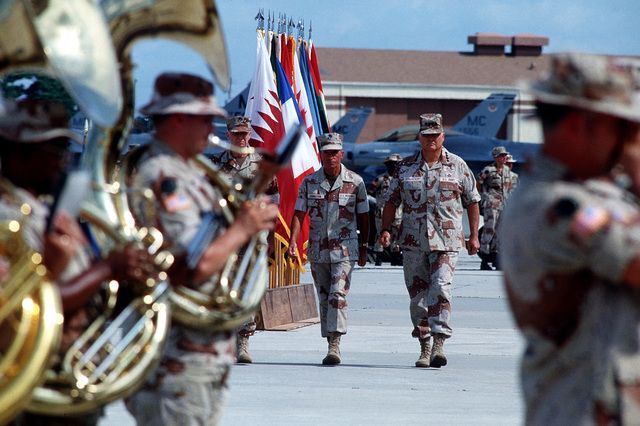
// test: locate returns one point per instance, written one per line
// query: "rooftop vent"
(488, 43)
(491, 44)
(528, 45)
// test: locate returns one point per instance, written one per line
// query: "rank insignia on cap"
(588, 220)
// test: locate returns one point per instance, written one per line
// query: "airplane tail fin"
(486, 119)
(351, 124)
(238, 104)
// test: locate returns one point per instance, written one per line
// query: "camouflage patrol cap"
(238, 124)
(498, 150)
(34, 120)
(392, 158)
(430, 124)
(329, 141)
(177, 93)
(598, 83)
(510, 159)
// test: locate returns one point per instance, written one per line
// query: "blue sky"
(609, 27)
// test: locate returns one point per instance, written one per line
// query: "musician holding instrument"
(244, 165)
(34, 141)
(190, 386)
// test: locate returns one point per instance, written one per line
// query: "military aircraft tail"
(487, 118)
(238, 104)
(351, 124)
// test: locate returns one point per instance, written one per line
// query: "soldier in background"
(190, 385)
(433, 186)
(34, 150)
(514, 179)
(570, 242)
(378, 188)
(336, 199)
(493, 184)
(244, 166)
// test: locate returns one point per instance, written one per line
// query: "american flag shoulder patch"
(176, 202)
(588, 220)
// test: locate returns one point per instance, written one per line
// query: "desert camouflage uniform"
(333, 248)
(566, 245)
(247, 170)
(433, 200)
(32, 230)
(379, 188)
(495, 188)
(514, 179)
(190, 385)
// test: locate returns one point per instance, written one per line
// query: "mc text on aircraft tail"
(486, 119)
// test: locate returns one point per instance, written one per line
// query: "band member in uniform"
(190, 386)
(34, 150)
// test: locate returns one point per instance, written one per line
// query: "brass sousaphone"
(68, 39)
(122, 346)
(195, 24)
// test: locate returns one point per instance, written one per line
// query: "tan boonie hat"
(329, 141)
(499, 150)
(35, 120)
(176, 93)
(238, 124)
(510, 159)
(393, 158)
(591, 82)
(430, 124)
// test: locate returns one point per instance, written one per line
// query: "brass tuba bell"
(54, 37)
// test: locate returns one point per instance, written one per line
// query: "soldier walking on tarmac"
(336, 199)
(494, 183)
(433, 186)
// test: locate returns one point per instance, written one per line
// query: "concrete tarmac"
(377, 382)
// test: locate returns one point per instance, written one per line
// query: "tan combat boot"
(243, 350)
(437, 355)
(425, 352)
(333, 356)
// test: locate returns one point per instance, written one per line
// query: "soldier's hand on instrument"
(132, 264)
(62, 244)
(179, 272)
(258, 215)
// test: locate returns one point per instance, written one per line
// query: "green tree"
(37, 86)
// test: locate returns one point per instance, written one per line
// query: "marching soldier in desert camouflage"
(378, 188)
(336, 199)
(494, 183)
(570, 244)
(433, 186)
(244, 166)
